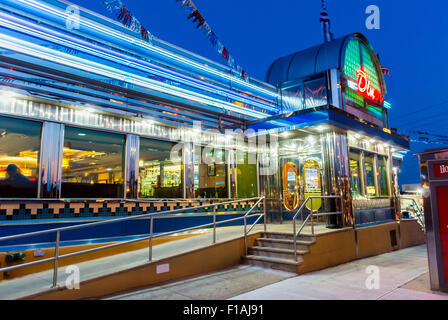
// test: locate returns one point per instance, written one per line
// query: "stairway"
(276, 251)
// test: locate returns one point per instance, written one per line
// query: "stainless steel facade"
(51, 160)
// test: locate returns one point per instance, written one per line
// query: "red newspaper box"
(435, 186)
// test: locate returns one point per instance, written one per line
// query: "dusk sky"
(412, 43)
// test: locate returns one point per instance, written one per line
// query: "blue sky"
(412, 43)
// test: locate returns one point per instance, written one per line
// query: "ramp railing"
(150, 216)
(419, 214)
(311, 216)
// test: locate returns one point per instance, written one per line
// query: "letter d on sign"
(373, 280)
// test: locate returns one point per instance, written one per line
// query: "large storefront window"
(369, 169)
(92, 165)
(19, 154)
(210, 173)
(246, 176)
(383, 173)
(160, 175)
(355, 169)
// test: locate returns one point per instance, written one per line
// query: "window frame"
(124, 161)
(182, 164)
(39, 157)
(375, 155)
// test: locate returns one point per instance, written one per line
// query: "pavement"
(219, 285)
(402, 275)
(398, 275)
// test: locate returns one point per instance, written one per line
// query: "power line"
(427, 134)
(419, 117)
(427, 122)
(421, 110)
(427, 138)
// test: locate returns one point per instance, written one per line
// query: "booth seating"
(369, 216)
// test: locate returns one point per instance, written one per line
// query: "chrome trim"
(131, 166)
(50, 165)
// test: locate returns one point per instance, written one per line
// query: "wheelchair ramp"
(132, 270)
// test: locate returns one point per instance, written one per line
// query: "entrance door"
(313, 187)
(291, 184)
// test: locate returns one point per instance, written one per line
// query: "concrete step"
(273, 263)
(283, 243)
(275, 252)
(287, 236)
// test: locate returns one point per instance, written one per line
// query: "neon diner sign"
(365, 87)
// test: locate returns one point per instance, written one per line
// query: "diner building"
(96, 122)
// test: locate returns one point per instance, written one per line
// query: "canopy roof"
(325, 56)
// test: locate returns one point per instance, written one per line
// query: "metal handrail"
(311, 215)
(246, 232)
(149, 237)
(420, 215)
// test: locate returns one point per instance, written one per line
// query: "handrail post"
(264, 211)
(295, 238)
(56, 260)
(312, 220)
(151, 228)
(214, 225)
(245, 235)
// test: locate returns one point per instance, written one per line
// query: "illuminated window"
(383, 174)
(210, 173)
(19, 154)
(246, 176)
(160, 175)
(92, 165)
(355, 166)
(369, 170)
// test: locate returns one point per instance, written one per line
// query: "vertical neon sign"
(365, 87)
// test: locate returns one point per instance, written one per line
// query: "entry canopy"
(327, 115)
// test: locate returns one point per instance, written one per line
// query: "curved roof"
(311, 61)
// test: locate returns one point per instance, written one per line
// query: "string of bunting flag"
(196, 16)
(386, 71)
(125, 16)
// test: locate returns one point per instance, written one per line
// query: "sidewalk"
(403, 276)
